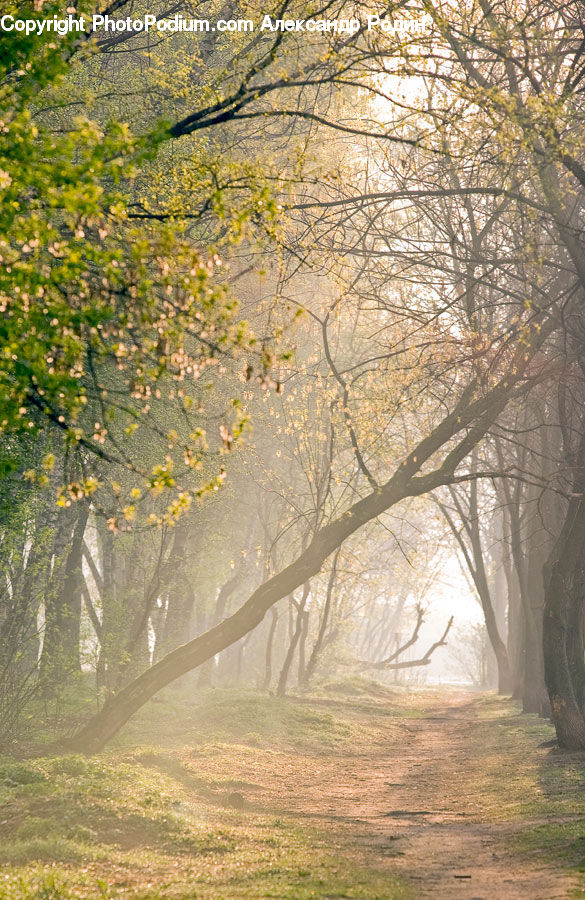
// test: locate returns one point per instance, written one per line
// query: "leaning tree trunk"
(472, 416)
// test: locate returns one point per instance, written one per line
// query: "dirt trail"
(403, 808)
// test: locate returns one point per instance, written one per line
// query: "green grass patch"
(516, 778)
(153, 822)
(306, 724)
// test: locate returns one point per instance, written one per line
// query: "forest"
(292, 449)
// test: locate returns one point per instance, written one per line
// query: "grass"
(160, 820)
(514, 775)
(197, 800)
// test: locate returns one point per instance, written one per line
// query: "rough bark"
(564, 665)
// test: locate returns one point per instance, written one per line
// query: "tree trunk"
(269, 647)
(563, 611)
(19, 633)
(303, 646)
(516, 624)
(317, 646)
(473, 413)
(474, 559)
(110, 619)
(179, 596)
(241, 652)
(224, 594)
(281, 689)
(536, 698)
(60, 655)
(575, 642)
(480, 578)
(528, 568)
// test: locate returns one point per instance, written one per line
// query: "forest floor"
(358, 792)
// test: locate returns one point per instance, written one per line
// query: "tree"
(468, 524)
(441, 279)
(456, 434)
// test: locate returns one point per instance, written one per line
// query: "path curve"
(402, 808)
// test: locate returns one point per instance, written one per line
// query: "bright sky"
(450, 596)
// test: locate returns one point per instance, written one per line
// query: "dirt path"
(405, 808)
(432, 830)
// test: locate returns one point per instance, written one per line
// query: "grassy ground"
(171, 818)
(515, 774)
(181, 806)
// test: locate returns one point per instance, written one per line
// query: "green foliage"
(56, 226)
(105, 319)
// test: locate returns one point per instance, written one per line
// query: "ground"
(357, 791)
